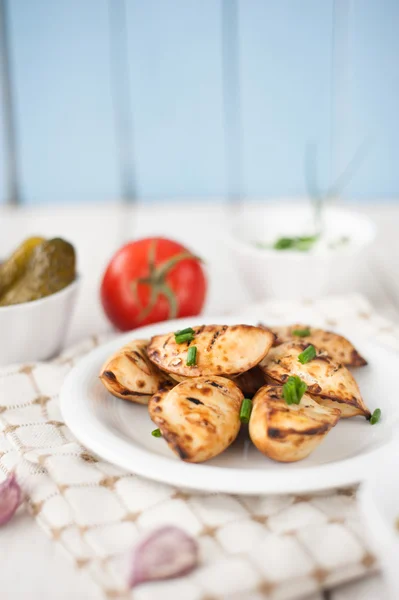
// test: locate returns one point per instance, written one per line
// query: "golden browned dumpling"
(330, 382)
(128, 374)
(250, 381)
(221, 350)
(199, 418)
(336, 346)
(177, 378)
(288, 433)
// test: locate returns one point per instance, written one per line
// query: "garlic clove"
(10, 498)
(165, 553)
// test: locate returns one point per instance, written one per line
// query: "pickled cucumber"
(13, 268)
(50, 268)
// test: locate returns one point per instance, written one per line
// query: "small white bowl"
(288, 274)
(36, 330)
(379, 503)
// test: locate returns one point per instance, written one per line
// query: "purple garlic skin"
(10, 498)
(165, 553)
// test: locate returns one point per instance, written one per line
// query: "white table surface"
(32, 567)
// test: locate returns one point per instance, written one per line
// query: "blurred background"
(103, 100)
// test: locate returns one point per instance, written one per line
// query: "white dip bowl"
(293, 274)
(36, 330)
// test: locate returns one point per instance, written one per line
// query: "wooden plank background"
(200, 98)
(175, 82)
(60, 65)
(285, 73)
(3, 192)
(373, 96)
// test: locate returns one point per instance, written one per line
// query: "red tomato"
(152, 280)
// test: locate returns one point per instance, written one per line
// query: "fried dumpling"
(331, 383)
(128, 374)
(288, 433)
(336, 346)
(199, 418)
(177, 378)
(221, 350)
(250, 381)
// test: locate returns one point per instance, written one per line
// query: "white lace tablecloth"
(278, 547)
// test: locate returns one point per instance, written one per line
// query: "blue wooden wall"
(60, 66)
(201, 98)
(3, 175)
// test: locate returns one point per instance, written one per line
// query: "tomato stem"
(156, 279)
(154, 293)
(165, 267)
(171, 298)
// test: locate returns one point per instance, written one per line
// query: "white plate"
(120, 431)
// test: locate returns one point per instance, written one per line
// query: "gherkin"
(50, 268)
(14, 267)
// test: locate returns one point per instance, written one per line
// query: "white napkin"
(280, 547)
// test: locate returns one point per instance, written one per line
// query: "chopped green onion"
(284, 243)
(187, 330)
(301, 243)
(305, 243)
(156, 433)
(191, 356)
(375, 417)
(294, 389)
(307, 355)
(180, 338)
(245, 410)
(309, 239)
(301, 332)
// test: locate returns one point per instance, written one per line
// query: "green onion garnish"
(301, 332)
(191, 356)
(375, 417)
(187, 330)
(284, 243)
(245, 410)
(156, 433)
(307, 239)
(294, 389)
(302, 243)
(307, 355)
(187, 335)
(305, 243)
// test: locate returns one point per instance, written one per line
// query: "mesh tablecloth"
(277, 547)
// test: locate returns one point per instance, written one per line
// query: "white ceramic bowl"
(36, 330)
(379, 502)
(290, 274)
